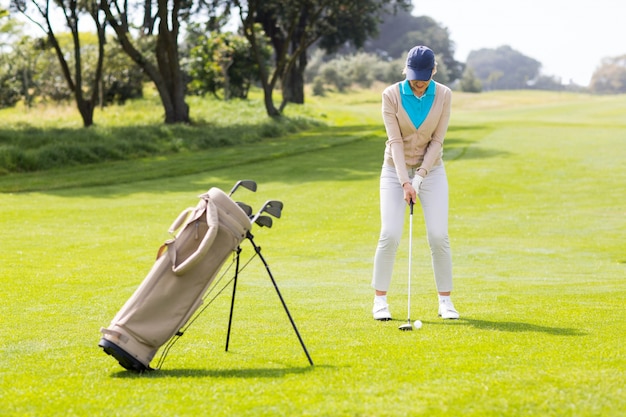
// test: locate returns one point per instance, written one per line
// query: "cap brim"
(420, 75)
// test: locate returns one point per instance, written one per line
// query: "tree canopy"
(292, 26)
(400, 32)
(162, 62)
(42, 14)
(610, 77)
(503, 68)
(180, 45)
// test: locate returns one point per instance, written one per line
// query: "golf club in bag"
(248, 184)
(186, 266)
(408, 325)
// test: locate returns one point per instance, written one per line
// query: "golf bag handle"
(211, 213)
(173, 228)
(179, 220)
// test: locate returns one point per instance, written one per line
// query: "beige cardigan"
(409, 147)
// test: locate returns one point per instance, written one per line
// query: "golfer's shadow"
(511, 326)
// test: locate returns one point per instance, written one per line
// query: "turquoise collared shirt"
(417, 107)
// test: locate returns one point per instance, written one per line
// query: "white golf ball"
(417, 324)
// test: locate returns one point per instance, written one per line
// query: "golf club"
(248, 184)
(273, 207)
(408, 325)
(246, 208)
(264, 221)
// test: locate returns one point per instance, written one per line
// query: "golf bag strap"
(210, 210)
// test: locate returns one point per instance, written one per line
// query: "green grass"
(130, 144)
(537, 224)
(49, 138)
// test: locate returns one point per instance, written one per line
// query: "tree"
(222, 61)
(361, 69)
(9, 28)
(400, 32)
(48, 82)
(122, 79)
(469, 83)
(358, 22)
(165, 73)
(42, 14)
(10, 66)
(292, 26)
(503, 68)
(9, 83)
(547, 82)
(610, 77)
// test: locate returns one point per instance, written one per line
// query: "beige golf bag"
(173, 289)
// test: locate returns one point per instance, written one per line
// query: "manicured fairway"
(537, 225)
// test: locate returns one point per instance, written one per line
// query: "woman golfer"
(415, 112)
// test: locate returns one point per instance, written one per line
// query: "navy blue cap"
(420, 62)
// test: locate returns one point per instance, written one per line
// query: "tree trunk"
(270, 108)
(293, 86)
(293, 83)
(75, 84)
(86, 109)
(169, 63)
(172, 88)
(147, 27)
(26, 86)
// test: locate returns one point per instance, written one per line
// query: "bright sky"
(570, 38)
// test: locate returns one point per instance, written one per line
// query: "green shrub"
(318, 87)
(9, 157)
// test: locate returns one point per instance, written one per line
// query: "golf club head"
(406, 326)
(273, 207)
(264, 221)
(247, 184)
(246, 208)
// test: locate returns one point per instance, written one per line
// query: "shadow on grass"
(320, 154)
(217, 373)
(510, 326)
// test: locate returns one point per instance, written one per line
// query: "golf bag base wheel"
(123, 357)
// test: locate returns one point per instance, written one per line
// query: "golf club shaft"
(410, 256)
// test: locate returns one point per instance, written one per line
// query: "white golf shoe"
(381, 311)
(447, 310)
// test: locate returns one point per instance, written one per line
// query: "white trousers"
(433, 197)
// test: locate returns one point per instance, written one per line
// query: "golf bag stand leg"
(257, 249)
(232, 302)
